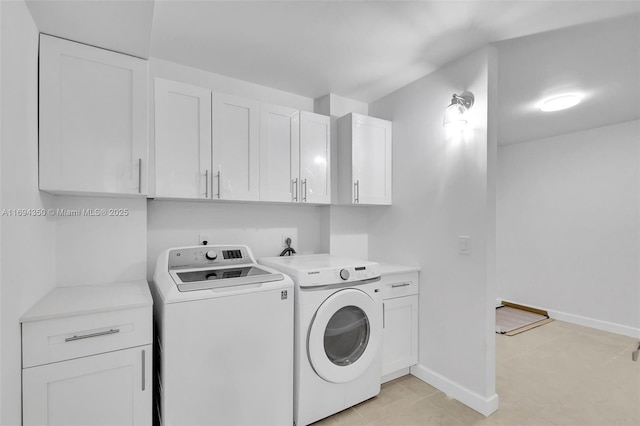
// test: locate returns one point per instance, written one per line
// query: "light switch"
(464, 244)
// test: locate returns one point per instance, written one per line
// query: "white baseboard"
(392, 376)
(485, 406)
(611, 327)
(597, 324)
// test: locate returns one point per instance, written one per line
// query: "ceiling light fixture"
(456, 114)
(560, 102)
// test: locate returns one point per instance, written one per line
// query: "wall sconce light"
(455, 114)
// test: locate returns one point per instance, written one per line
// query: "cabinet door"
(108, 389)
(315, 155)
(236, 155)
(182, 140)
(93, 120)
(371, 152)
(279, 153)
(400, 334)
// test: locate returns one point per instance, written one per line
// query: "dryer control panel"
(316, 270)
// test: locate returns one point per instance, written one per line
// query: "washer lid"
(344, 336)
(210, 278)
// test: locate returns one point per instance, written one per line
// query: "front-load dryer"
(338, 332)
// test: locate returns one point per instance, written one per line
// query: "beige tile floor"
(556, 374)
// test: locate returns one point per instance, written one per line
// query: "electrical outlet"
(284, 240)
(204, 239)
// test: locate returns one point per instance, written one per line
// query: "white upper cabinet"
(182, 140)
(236, 148)
(294, 155)
(364, 160)
(214, 146)
(315, 155)
(93, 120)
(279, 153)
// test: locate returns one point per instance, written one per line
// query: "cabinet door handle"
(294, 192)
(139, 175)
(219, 176)
(144, 373)
(304, 194)
(206, 183)
(86, 336)
(400, 285)
(356, 191)
(384, 321)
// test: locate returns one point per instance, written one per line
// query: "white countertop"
(391, 269)
(79, 300)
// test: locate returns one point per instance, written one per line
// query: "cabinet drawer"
(398, 285)
(58, 339)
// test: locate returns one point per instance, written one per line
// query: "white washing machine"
(338, 332)
(224, 331)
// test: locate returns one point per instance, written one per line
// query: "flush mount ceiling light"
(560, 102)
(456, 113)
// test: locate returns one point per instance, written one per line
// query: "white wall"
(568, 226)
(335, 107)
(100, 249)
(348, 232)
(223, 84)
(1, 204)
(260, 226)
(26, 241)
(444, 188)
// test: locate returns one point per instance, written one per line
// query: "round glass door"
(344, 336)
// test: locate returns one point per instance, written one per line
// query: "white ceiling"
(361, 50)
(364, 50)
(601, 61)
(122, 25)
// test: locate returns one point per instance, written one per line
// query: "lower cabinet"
(87, 356)
(400, 332)
(107, 389)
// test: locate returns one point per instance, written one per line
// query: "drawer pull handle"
(86, 336)
(400, 285)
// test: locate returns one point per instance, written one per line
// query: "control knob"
(211, 255)
(344, 274)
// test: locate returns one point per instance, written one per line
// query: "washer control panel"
(195, 257)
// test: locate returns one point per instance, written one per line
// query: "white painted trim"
(611, 327)
(595, 323)
(484, 406)
(395, 375)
